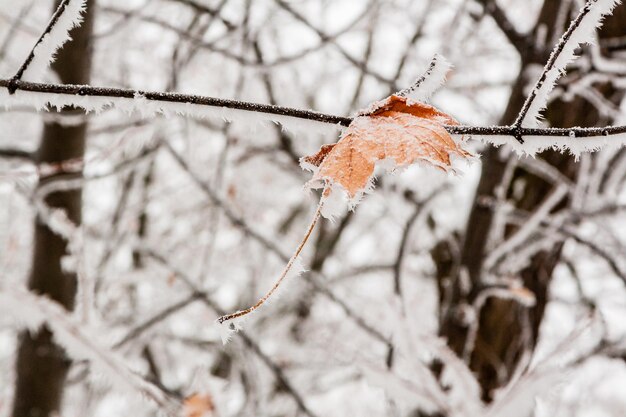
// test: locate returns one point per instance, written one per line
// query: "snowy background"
(152, 238)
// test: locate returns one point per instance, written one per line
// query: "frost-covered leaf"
(393, 133)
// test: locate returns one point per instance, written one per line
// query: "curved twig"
(286, 270)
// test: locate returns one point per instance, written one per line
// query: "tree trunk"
(507, 329)
(42, 365)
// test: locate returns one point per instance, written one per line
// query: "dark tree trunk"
(42, 365)
(506, 329)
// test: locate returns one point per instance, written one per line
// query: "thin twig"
(417, 34)
(520, 41)
(15, 24)
(227, 52)
(326, 38)
(419, 209)
(156, 318)
(420, 80)
(520, 217)
(556, 52)
(53, 21)
(16, 154)
(213, 12)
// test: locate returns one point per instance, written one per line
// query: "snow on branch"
(80, 343)
(42, 96)
(580, 31)
(434, 77)
(95, 99)
(576, 140)
(66, 17)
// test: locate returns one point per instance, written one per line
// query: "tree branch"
(250, 343)
(519, 40)
(312, 277)
(326, 38)
(53, 21)
(16, 154)
(548, 77)
(213, 12)
(165, 97)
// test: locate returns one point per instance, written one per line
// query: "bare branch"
(213, 12)
(519, 40)
(16, 154)
(325, 38)
(311, 277)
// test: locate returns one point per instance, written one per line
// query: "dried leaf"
(395, 132)
(198, 405)
(317, 158)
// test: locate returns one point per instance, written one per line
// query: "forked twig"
(53, 21)
(555, 68)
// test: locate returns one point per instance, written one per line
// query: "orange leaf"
(198, 405)
(396, 131)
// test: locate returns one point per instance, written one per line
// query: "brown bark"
(41, 365)
(506, 328)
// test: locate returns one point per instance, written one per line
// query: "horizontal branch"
(166, 97)
(11, 153)
(90, 91)
(199, 7)
(521, 41)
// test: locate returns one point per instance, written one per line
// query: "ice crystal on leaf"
(393, 133)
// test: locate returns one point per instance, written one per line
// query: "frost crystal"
(227, 329)
(576, 146)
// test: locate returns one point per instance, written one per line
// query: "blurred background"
(438, 296)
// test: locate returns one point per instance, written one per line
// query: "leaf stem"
(286, 270)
